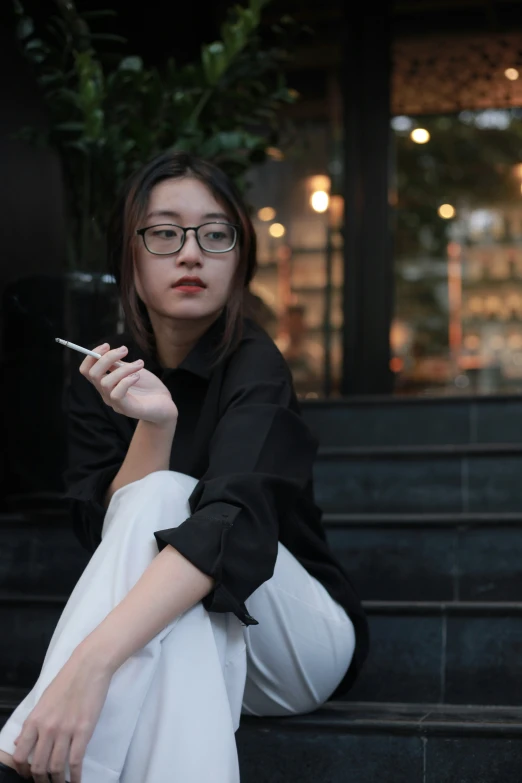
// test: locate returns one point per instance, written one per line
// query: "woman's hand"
(129, 389)
(60, 726)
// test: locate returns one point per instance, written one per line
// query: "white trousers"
(172, 708)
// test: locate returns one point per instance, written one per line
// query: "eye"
(164, 233)
(215, 235)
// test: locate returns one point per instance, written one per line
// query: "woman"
(211, 591)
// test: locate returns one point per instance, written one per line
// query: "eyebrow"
(170, 214)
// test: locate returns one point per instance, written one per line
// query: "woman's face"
(184, 202)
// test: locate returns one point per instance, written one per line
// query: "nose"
(190, 254)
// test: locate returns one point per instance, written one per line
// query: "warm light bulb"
(420, 135)
(511, 74)
(277, 230)
(320, 200)
(266, 213)
(446, 211)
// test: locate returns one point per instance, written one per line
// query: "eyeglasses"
(167, 238)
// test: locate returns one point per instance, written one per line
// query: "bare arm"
(169, 586)
(149, 450)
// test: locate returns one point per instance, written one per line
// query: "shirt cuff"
(201, 539)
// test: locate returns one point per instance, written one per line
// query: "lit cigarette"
(83, 350)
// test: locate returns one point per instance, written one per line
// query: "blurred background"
(378, 145)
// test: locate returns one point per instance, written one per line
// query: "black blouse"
(241, 434)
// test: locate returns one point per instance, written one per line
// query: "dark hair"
(127, 216)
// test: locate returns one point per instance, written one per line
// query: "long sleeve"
(96, 450)
(260, 459)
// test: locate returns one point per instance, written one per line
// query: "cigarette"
(83, 350)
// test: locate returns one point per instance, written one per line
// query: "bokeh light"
(446, 211)
(277, 230)
(266, 214)
(320, 200)
(420, 135)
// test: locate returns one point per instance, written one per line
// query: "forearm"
(169, 586)
(149, 450)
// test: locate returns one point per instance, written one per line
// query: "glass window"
(297, 292)
(458, 252)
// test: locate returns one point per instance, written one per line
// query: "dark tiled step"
(362, 743)
(457, 652)
(28, 623)
(394, 717)
(429, 450)
(40, 502)
(389, 743)
(409, 482)
(39, 552)
(415, 421)
(445, 558)
(472, 519)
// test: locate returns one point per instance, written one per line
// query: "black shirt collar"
(200, 359)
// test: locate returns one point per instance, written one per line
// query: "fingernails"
(138, 362)
(123, 349)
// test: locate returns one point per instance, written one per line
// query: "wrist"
(92, 653)
(166, 426)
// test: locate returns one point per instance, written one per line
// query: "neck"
(175, 338)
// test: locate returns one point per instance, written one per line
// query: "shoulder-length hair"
(129, 214)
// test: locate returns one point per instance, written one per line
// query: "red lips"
(188, 281)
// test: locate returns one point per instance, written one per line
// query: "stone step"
(362, 743)
(385, 421)
(388, 743)
(428, 557)
(425, 479)
(456, 652)
(39, 553)
(445, 557)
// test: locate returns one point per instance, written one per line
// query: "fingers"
(121, 388)
(78, 747)
(50, 754)
(110, 381)
(90, 361)
(58, 758)
(100, 367)
(24, 745)
(40, 761)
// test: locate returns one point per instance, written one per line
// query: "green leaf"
(214, 60)
(131, 64)
(24, 28)
(70, 126)
(108, 37)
